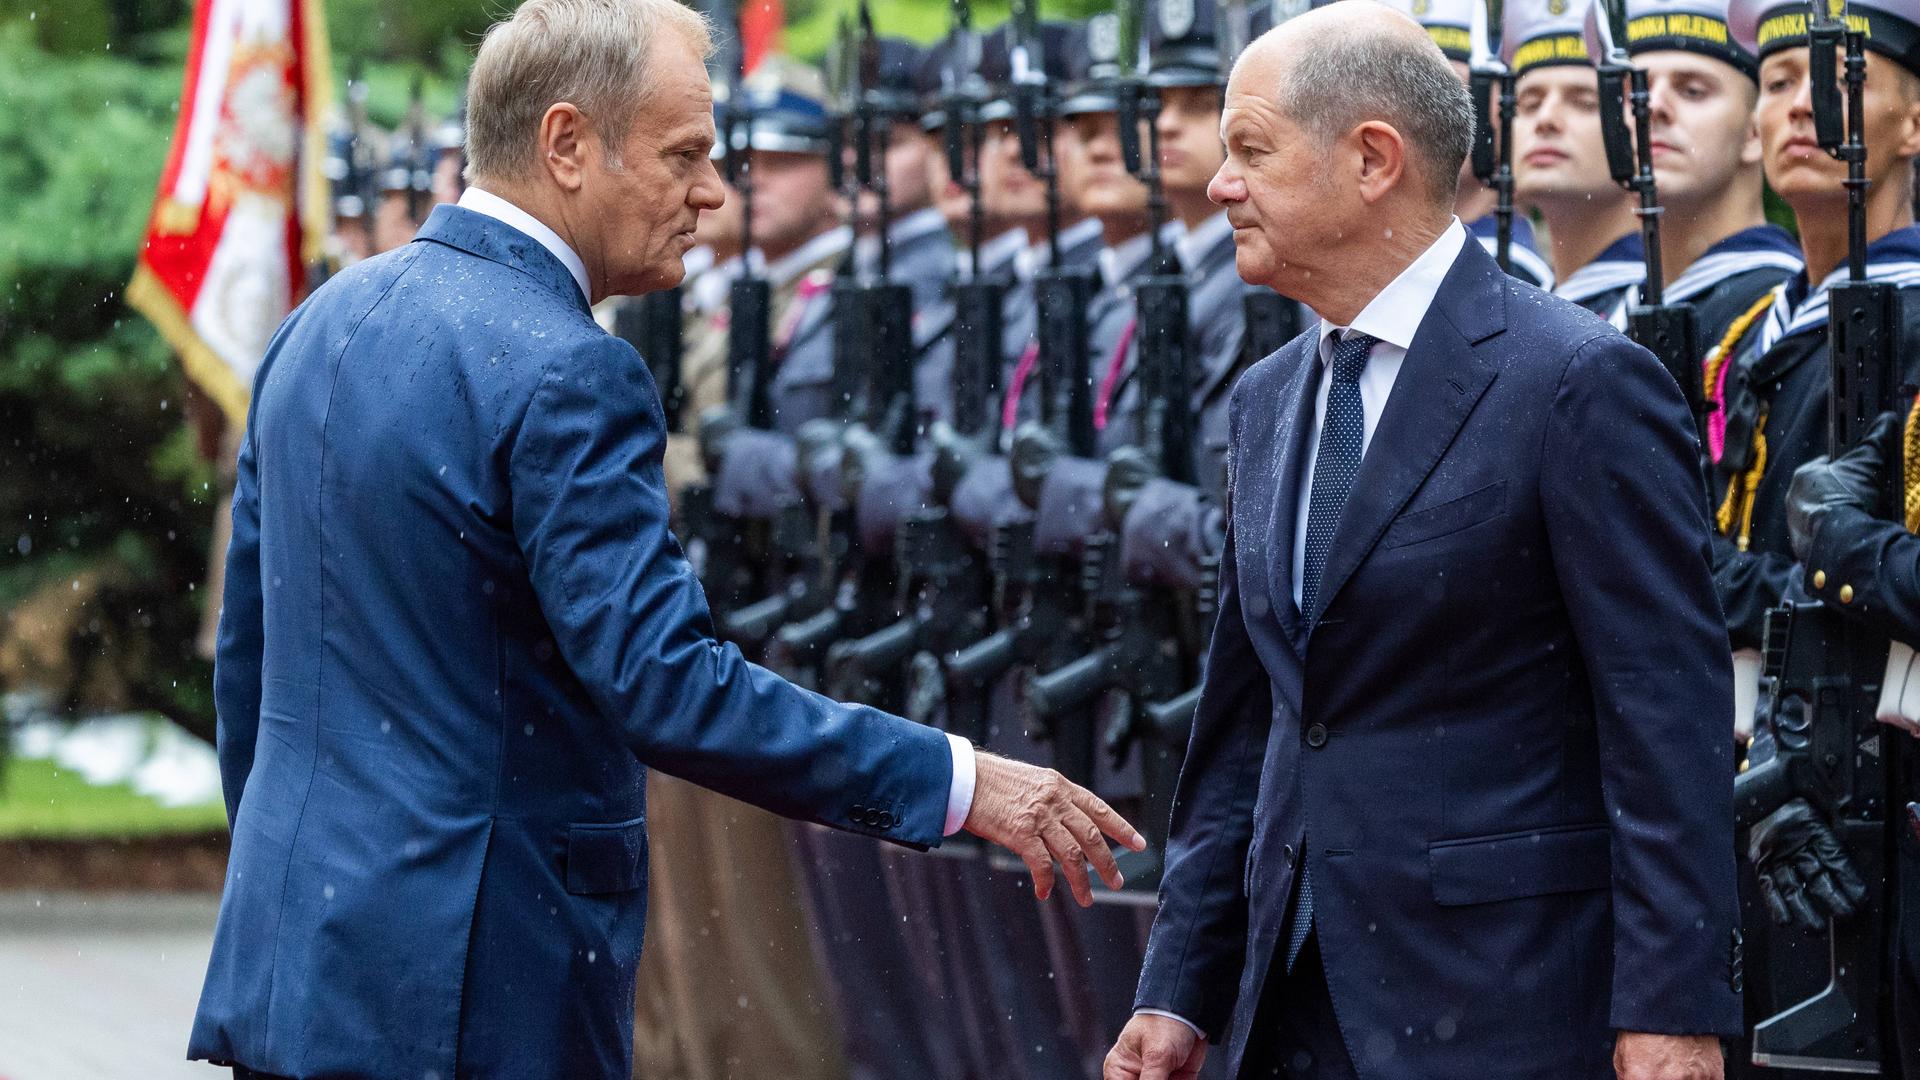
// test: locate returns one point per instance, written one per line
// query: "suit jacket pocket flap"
(1430, 522)
(1481, 870)
(607, 858)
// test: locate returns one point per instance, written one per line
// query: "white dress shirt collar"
(499, 209)
(782, 271)
(1394, 314)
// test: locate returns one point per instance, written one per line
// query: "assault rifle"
(1825, 667)
(942, 579)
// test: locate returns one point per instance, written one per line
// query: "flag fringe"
(149, 296)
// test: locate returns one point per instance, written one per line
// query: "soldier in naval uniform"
(1448, 23)
(1771, 368)
(1559, 160)
(1717, 249)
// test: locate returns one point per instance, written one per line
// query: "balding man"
(1445, 812)
(457, 632)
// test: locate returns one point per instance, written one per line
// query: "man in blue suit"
(457, 631)
(1457, 802)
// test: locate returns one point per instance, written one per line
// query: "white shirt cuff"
(1173, 1016)
(960, 795)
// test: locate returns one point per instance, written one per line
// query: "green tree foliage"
(105, 507)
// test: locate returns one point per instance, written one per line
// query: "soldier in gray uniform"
(920, 247)
(798, 232)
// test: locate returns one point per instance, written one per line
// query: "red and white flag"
(242, 206)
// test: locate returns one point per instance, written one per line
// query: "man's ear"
(566, 145)
(1382, 157)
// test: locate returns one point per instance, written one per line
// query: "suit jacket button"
(859, 814)
(885, 820)
(1316, 735)
(1286, 852)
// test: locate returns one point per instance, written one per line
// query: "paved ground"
(101, 987)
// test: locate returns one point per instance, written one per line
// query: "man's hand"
(1852, 479)
(1154, 1047)
(1640, 1056)
(1043, 817)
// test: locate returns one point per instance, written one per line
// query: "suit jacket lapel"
(1439, 383)
(1296, 407)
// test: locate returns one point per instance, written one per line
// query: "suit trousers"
(1295, 1035)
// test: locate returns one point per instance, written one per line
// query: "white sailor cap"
(1536, 33)
(1890, 27)
(1698, 26)
(1447, 22)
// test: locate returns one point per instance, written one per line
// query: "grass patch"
(40, 799)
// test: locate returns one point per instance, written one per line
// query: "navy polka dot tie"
(1342, 433)
(1336, 464)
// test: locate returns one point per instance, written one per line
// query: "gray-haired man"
(457, 633)
(1443, 812)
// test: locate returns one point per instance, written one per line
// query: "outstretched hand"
(1045, 818)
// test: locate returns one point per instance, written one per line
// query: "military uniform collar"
(835, 241)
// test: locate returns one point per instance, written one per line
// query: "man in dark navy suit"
(1457, 802)
(457, 632)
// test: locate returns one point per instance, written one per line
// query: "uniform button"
(1317, 735)
(1846, 594)
(1819, 579)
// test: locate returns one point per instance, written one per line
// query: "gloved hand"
(817, 455)
(1128, 470)
(1034, 452)
(1852, 479)
(717, 426)
(1803, 869)
(954, 455)
(860, 451)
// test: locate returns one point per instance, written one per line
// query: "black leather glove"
(717, 426)
(1852, 479)
(1034, 452)
(1803, 869)
(1128, 470)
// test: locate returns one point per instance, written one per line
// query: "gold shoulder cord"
(1911, 467)
(1738, 505)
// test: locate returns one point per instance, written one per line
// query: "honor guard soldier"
(1771, 375)
(1868, 567)
(1097, 177)
(1718, 251)
(920, 246)
(1448, 22)
(1769, 372)
(1559, 159)
(797, 232)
